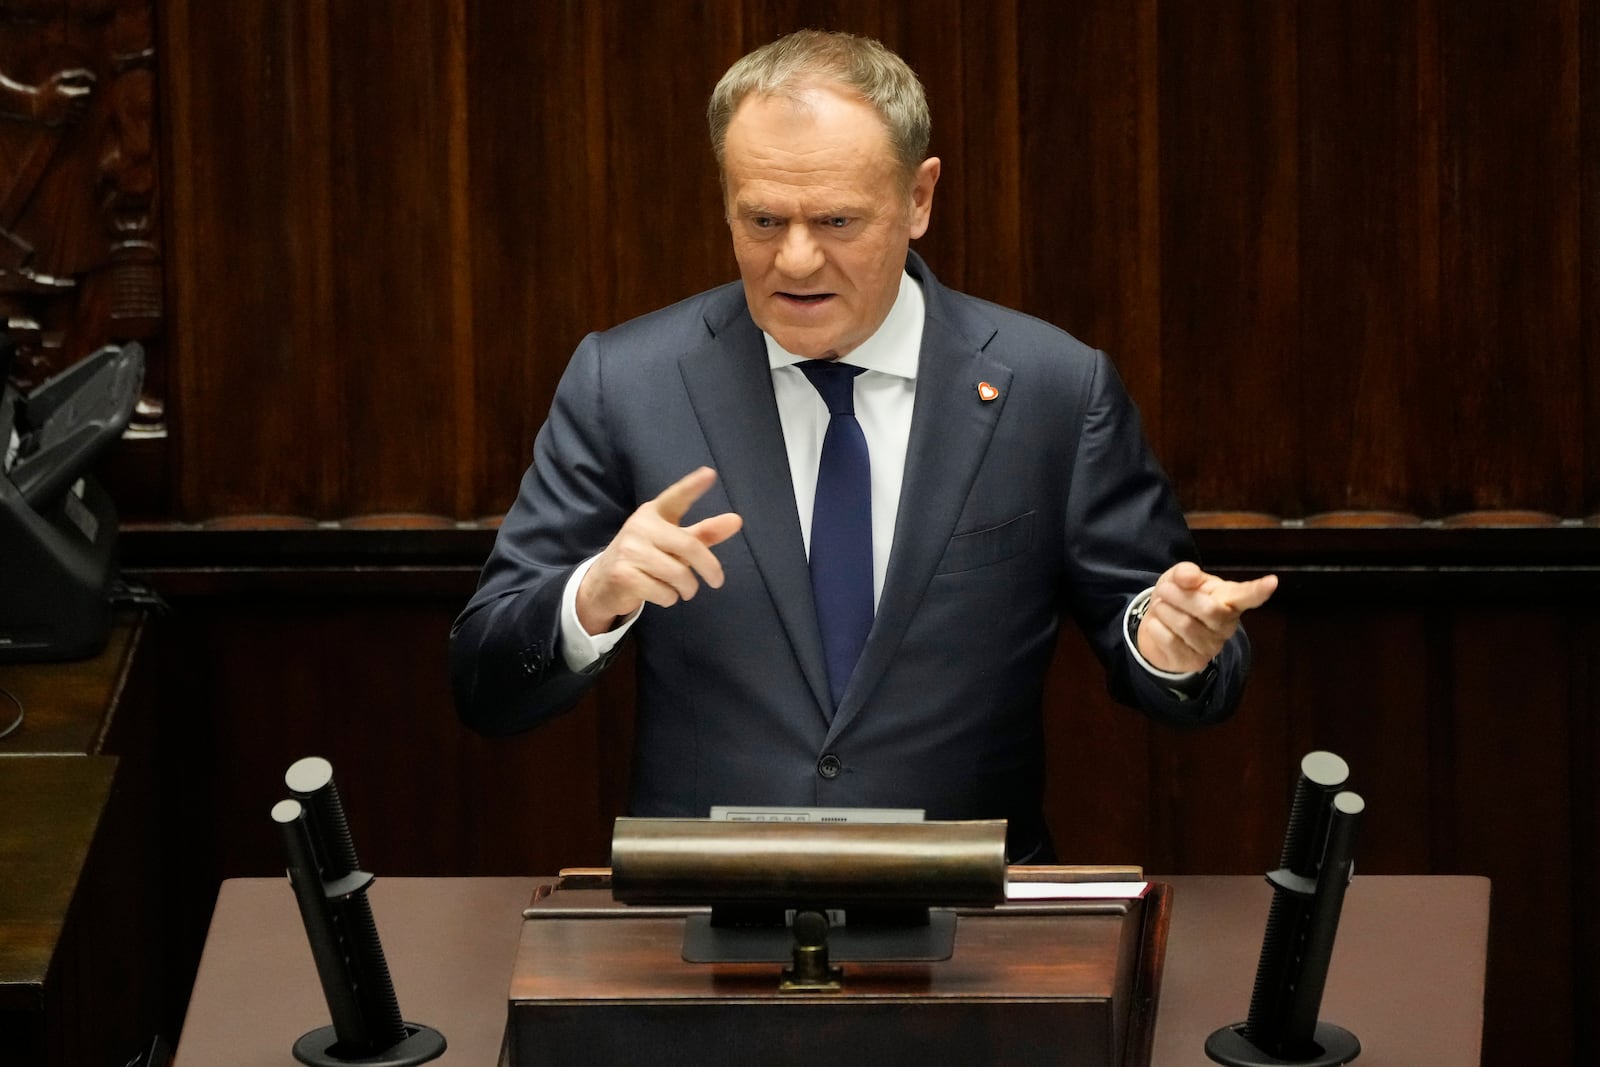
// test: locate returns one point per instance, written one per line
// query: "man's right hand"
(653, 559)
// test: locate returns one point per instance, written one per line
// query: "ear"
(922, 184)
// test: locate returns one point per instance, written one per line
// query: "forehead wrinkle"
(829, 182)
(800, 207)
(826, 165)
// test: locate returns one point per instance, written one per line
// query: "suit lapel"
(951, 426)
(730, 388)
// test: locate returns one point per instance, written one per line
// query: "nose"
(799, 255)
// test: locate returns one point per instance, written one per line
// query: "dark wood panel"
(767, 20)
(1219, 796)
(368, 693)
(1371, 409)
(1510, 226)
(658, 162)
(1089, 177)
(1585, 758)
(538, 280)
(1361, 679)
(314, 151)
(1589, 266)
(976, 239)
(254, 385)
(1230, 254)
(394, 104)
(1096, 765)
(1510, 811)
(1336, 249)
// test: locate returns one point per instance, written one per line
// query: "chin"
(807, 347)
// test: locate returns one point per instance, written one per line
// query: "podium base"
(1334, 1046)
(421, 1044)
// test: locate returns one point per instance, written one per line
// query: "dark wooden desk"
(450, 944)
(1406, 978)
(75, 980)
(69, 707)
(1407, 973)
(50, 807)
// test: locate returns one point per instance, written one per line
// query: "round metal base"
(1334, 1046)
(320, 1048)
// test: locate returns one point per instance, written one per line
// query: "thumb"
(1187, 575)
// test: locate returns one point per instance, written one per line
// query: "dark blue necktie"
(841, 526)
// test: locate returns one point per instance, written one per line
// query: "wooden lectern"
(1072, 982)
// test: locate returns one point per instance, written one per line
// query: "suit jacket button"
(828, 766)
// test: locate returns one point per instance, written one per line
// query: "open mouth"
(806, 298)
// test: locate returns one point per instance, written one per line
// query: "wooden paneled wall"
(1344, 252)
(1337, 248)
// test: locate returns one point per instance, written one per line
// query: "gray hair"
(802, 59)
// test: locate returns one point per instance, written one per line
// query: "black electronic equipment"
(1282, 1029)
(58, 528)
(331, 889)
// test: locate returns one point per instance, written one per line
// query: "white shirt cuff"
(1136, 609)
(579, 648)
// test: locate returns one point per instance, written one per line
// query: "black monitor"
(58, 528)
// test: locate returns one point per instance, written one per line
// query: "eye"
(763, 225)
(836, 222)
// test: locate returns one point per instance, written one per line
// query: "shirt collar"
(892, 349)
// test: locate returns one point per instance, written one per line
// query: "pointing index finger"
(676, 499)
(1242, 596)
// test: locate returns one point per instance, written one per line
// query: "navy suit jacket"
(1042, 502)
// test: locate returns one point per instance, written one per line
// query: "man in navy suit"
(675, 495)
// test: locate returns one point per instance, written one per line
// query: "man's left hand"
(1192, 614)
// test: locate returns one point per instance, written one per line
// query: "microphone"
(1309, 885)
(331, 890)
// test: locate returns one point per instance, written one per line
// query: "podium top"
(594, 977)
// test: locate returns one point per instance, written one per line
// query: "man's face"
(821, 217)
